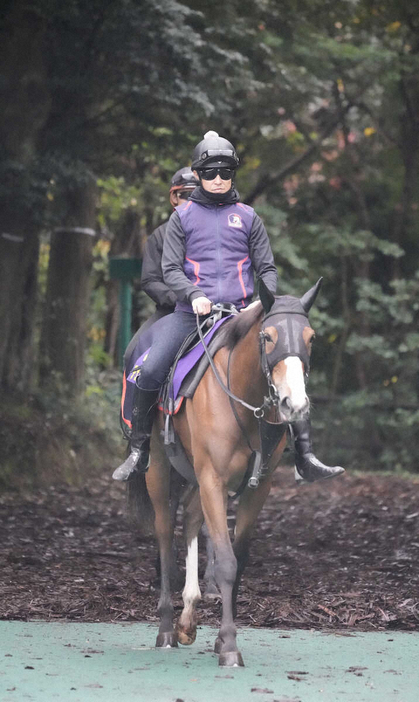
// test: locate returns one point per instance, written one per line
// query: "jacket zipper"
(219, 257)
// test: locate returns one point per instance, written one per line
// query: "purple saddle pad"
(184, 365)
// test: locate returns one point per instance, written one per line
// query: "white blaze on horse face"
(288, 377)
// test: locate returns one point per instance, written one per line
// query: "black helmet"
(183, 179)
(214, 150)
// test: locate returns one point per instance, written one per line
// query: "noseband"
(289, 343)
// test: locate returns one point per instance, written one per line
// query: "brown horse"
(262, 365)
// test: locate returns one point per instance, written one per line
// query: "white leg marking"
(191, 592)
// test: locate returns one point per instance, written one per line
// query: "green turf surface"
(69, 662)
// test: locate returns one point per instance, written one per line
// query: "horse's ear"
(266, 297)
(308, 298)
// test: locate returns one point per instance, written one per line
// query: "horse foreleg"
(176, 576)
(211, 589)
(158, 485)
(166, 636)
(193, 518)
(241, 551)
(214, 504)
(251, 502)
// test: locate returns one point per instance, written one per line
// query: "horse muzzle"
(291, 413)
(288, 378)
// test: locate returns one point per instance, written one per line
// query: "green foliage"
(321, 99)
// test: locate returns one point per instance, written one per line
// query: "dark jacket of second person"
(152, 281)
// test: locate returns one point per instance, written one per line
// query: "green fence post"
(125, 270)
(125, 308)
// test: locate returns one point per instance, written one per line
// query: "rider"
(181, 186)
(213, 248)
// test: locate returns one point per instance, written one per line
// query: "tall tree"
(25, 101)
(104, 83)
(67, 297)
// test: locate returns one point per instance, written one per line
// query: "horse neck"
(247, 379)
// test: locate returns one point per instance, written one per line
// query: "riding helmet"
(183, 179)
(214, 150)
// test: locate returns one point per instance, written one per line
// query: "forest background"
(102, 101)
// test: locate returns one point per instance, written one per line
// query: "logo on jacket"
(234, 220)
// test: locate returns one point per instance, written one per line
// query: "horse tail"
(140, 508)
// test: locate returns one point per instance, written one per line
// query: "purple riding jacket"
(214, 249)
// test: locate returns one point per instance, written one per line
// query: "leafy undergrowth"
(341, 555)
(49, 440)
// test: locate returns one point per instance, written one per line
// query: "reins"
(258, 412)
(258, 462)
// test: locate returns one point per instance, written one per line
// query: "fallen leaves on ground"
(341, 555)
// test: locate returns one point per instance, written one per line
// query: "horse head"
(286, 340)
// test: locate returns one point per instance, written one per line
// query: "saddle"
(191, 360)
(270, 434)
(185, 375)
(187, 370)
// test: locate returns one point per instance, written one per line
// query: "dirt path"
(342, 555)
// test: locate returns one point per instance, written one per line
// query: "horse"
(256, 381)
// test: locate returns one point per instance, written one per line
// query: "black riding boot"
(308, 466)
(142, 424)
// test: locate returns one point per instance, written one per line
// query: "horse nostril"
(286, 403)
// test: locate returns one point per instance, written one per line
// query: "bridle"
(270, 434)
(294, 346)
(268, 361)
(257, 411)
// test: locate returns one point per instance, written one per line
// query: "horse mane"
(236, 329)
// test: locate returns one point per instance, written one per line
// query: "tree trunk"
(18, 294)
(68, 291)
(405, 216)
(25, 104)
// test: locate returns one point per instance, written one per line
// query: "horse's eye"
(268, 337)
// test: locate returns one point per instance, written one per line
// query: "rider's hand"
(249, 307)
(201, 305)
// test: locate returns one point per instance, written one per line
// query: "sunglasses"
(184, 194)
(211, 173)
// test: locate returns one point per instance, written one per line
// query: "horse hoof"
(166, 640)
(186, 638)
(231, 659)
